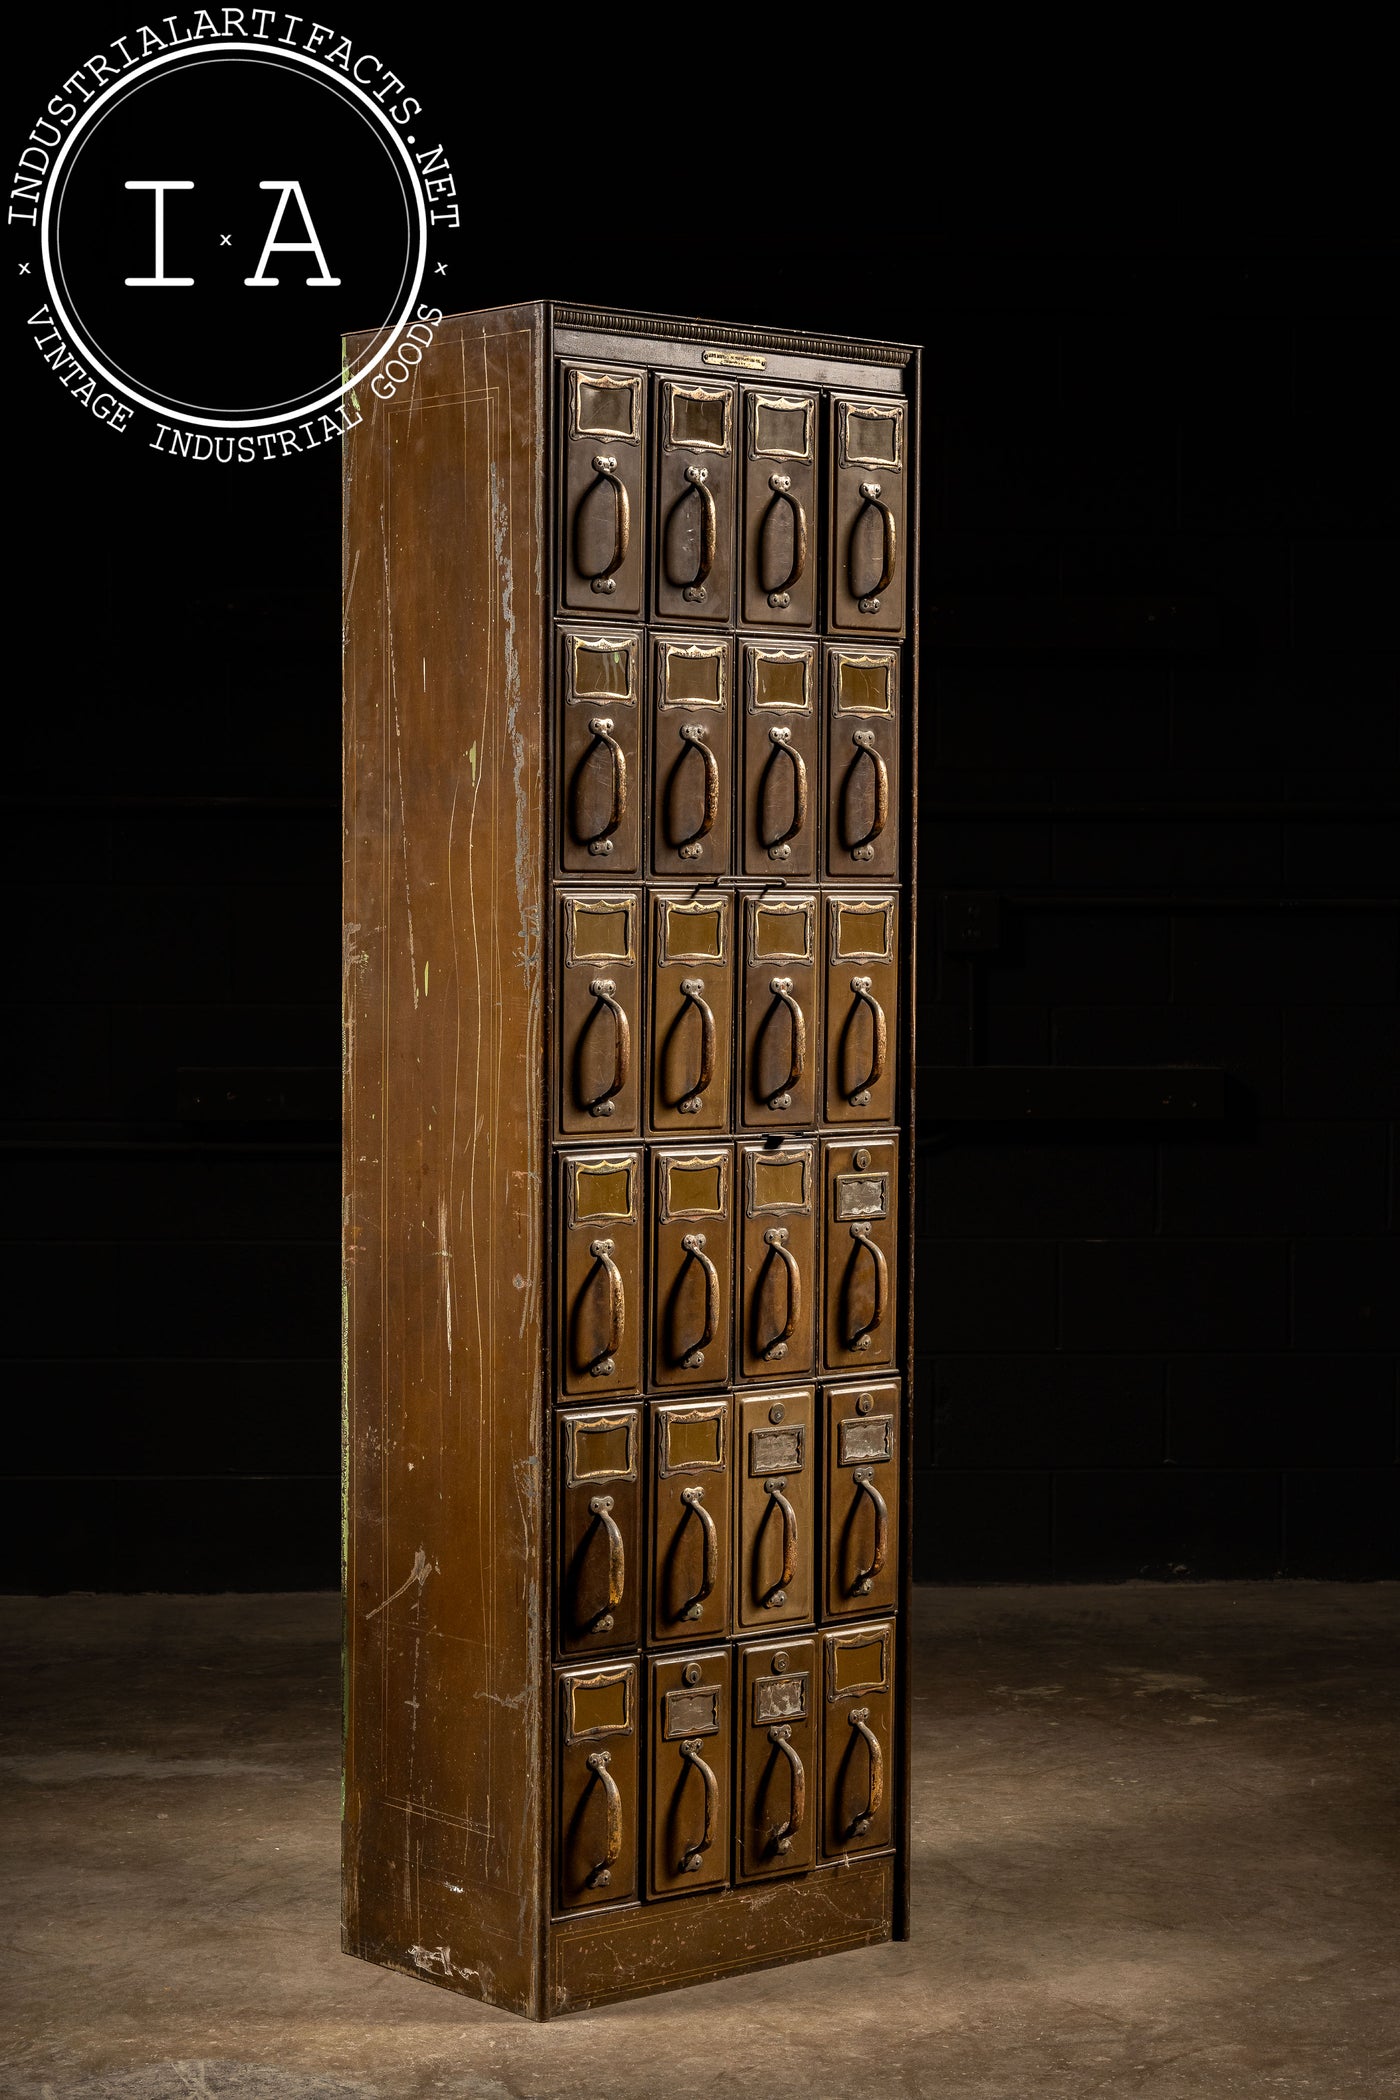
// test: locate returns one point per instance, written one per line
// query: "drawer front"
(696, 439)
(600, 751)
(690, 1519)
(862, 1020)
(602, 418)
(861, 1497)
(599, 1013)
(869, 455)
(862, 763)
(692, 1011)
(600, 1263)
(779, 760)
(692, 758)
(778, 1281)
(778, 1808)
(692, 1265)
(688, 1846)
(780, 1030)
(857, 1746)
(776, 1463)
(861, 1232)
(598, 1468)
(780, 512)
(597, 1822)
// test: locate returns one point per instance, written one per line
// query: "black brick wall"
(1144, 1349)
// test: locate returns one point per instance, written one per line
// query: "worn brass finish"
(779, 1701)
(598, 1790)
(775, 1546)
(688, 1844)
(779, 1282)
(858, 1705)
(860, 1552)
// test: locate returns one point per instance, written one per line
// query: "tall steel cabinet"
(629, 765)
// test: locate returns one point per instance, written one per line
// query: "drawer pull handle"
(605, 467)
(780, 595)
(693, 988)
(783, 1835)
(601, 727)
(870, 602)
(858, 1718)
(600, 1876)
(694, 1500)
(859, 1096)
(778, 1593)
(776, 1237)
(603, 1366)
(860, 1233)
(780, 738)
(601, 1508)
(864, 1583)
(699, 477)
(864, 741)
(690, 1858)
(693, 733)
(603, 990)
(694, 1245)
(781, 988)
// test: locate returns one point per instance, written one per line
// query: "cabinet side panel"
(445, 839)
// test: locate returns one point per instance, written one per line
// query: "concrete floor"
(1156, 1853)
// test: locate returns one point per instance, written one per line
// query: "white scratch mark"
(420, 1571)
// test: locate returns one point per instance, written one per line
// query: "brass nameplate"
(692, 1712)
(600, 1705)
(775, 1451)
(862, 1196)
(863, 1438)
(734, 360)
(780, 1699)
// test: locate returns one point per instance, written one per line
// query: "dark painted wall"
(1147, 1348)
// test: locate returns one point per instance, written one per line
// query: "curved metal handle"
(693, 733)
(776, 1238)
(783, 1835)
(690, 1858)
(870, 490)
(858, 1717)
(603, 989)
(602, 1251)
(864, 741)
(601, 1875)
(693, 987)
(781, 485)
(694, 1499)
(601, 1508)
(694, 1244)
(600, 726)
(699, 478)
(605, 467)
(781, 988)
(860, 1233)
(859, 1096)
(774, 1490)
(864, 1478)
(780, 738)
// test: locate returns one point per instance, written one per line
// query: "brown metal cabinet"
(862, 1308)
(779, 760)
(631, 707)
(695, 488)
(600, 751)
(862, 1011)
(598, 1472)
(691, 757)
(860, 1529)
(690, 1519)
(779, 1287)
(778, 1700)
(858, 1739)
(692, 1011)
(862, 763)
(868, 453)
(688, 1841)
(775, 1540)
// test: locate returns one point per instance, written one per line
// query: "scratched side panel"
(444, 1131)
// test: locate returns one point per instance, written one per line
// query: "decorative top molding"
(848, 347)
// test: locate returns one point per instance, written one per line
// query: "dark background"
(1159, 747)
